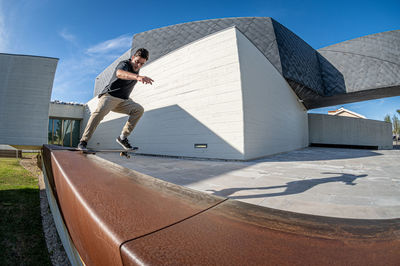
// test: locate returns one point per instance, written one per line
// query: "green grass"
(21, 234)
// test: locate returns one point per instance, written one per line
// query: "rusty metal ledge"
(117, 216)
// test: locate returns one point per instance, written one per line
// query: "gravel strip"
(54, 246)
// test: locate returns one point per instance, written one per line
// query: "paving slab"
(345, 183)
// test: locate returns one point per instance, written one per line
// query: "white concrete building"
(240, 88)
(215, 91)
(26, 83)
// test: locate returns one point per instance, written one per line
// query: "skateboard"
(125, 153)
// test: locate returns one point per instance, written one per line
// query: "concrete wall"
(196, 99)
(61, 110)
(274, 119)
(26, 83)
(329, 129)
(220, 91)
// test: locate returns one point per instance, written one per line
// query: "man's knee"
(138, 110)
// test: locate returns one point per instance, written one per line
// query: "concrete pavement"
(346, 183)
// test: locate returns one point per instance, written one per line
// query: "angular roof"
(289, 54)
(361, 69)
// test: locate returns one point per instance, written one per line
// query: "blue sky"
(87, 36)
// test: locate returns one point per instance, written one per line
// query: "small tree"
(396, 126)
(398, 132)
(387, 119)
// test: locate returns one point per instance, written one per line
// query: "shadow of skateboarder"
(293, 187)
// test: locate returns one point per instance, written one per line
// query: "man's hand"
(145, 80)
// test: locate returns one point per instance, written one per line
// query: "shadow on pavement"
(294, 187)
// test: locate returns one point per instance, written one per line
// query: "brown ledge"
(116, 216)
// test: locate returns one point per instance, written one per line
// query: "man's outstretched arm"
(122, 74)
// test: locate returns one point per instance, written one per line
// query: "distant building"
(26, 83)
(344, 112)
(27, 117)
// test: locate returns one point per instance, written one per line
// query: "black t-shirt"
(119, 87)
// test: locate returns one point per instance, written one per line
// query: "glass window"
(50, 132)
(64, 132)
(57, 136)
(67, 133)
(76, 128)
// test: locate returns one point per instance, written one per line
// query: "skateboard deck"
(122, 152)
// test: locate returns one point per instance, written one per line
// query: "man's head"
(139, 58)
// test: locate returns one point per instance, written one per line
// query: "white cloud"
(120, 43)
(68, 36)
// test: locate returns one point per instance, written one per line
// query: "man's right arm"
(126, 75)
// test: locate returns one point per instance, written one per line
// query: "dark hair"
(142, 52)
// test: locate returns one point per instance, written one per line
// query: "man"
(115, 97)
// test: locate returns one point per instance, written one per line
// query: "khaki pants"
(109, 103)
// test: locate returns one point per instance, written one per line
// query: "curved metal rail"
(117, 216)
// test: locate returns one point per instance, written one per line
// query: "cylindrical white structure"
(217, 97)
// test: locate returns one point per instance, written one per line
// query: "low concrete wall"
(339, 130)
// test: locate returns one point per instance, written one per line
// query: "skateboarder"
(115, 97)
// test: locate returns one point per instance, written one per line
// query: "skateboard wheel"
(125, 154)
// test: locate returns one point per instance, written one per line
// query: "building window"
(64, 132)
